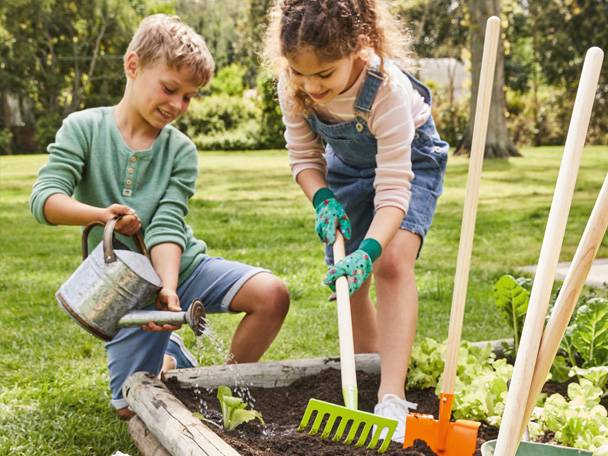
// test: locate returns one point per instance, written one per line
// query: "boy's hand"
(330, 216)
(129, 224)
(167, 300)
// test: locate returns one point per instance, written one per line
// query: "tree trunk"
(498, 142)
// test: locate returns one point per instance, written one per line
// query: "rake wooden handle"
(508, 435)
(467, 230)
(568, 297)
(345, 332)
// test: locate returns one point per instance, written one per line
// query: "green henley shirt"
(90, 160)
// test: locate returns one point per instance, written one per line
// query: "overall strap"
(369, 89)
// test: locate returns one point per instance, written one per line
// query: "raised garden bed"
(283, 407)
(281, 391)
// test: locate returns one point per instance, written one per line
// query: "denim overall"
(350, 153)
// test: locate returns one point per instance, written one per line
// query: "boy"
(127, 161)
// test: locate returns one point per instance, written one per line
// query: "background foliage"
(67, 56)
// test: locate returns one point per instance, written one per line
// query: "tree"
(217, 22)
(61, 56)
(498, 142)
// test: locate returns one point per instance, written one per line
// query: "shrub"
(271, 122)
(6, 139)
(229, 81)
(216, 114)
(451, 117)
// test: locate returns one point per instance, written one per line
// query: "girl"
(364, 149)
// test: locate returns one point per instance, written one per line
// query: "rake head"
(340, 418)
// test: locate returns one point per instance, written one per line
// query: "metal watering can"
(106, 291)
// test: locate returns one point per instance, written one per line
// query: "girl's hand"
(356, 267)
(330, 217)
(167, 300)
(130, 222)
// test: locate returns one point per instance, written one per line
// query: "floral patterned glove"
(330, 216)
(356, 267)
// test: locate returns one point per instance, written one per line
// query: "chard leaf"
(512, 301)
(590, 332)
(560, 369)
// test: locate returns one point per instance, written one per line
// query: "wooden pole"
(568, 297)
(508, 435)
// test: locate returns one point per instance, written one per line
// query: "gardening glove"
(330, 216)
(356, 267)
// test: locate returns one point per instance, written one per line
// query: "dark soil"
(284, 407)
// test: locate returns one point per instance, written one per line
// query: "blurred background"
(60, 56)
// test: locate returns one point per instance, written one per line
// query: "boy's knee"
(276, 303)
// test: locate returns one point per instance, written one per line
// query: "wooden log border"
(163, 423)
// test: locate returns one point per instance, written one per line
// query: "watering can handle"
(108, 235)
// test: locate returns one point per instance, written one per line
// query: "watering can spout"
(194, 317)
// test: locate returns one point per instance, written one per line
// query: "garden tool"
(568, 297)
(459, 438)
(346, 417)
(519, 389)
(102, 295)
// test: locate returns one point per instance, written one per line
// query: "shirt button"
(131, 170)
(133, 159)
(126, 192)
(129, 181)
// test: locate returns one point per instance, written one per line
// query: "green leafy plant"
(590, 332)
(580, 422)
(481, 384)
(234, 411)
(426, 363)
(512, 302)
(597, 375)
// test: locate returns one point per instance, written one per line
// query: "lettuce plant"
(597, 375)
(233, 409)
(580, 422)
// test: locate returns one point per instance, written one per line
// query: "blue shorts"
(354, 188)
(215, 282)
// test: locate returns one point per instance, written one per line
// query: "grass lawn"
(53, 380)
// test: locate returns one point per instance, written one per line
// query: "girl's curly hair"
(333, 29)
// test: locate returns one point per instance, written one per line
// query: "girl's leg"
(265, 300)
(397, 300)
(363, 314)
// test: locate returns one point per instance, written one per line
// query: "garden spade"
(459, 438)
(338, 419)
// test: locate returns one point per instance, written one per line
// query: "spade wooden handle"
(467, 230)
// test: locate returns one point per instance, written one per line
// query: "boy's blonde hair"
(166, 37)
(332, 29)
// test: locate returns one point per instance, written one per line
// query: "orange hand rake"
(444, 437)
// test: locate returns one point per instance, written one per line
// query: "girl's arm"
(385, 224)
(311, 180)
